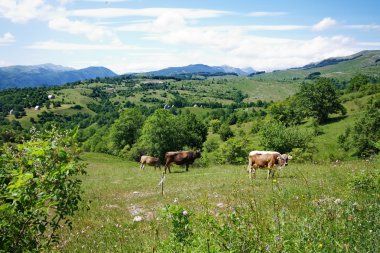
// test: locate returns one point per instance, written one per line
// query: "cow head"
(284, 159)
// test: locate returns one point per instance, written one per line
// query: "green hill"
(365, 62)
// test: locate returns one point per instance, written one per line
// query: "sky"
(143, 35)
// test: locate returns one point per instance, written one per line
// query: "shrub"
(233, 151)
(39, 190)
(225, 132)
(275, 136)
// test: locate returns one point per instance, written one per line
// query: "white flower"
(175, 200)
(184, 212)
(338, 201)
(137, 218)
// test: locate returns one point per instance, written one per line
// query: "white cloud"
(266, 14)
(146, 12)
(7, 39)
(23, 10)
(370, 44)
(54, 45)
(371, 27)
(324, 24)
(92, 32)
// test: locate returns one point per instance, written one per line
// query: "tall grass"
(308, 208)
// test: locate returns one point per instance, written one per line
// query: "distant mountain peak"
(201, 68)
(47, 75)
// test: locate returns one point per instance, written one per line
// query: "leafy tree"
(193, 132)
(39, 191)
(288, 112)
(320, 99)
(225, 132)
(357, 82)
(365, 135)
(160, 133)
(126, 128)
(233, 151)
(215, 125)
(276, 136)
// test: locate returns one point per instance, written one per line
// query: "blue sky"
(141, 35)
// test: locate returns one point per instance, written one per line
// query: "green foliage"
(366, 181)
(225, 132)
(192, 131)
(126, 129)
(358, 82)
(289, 112)
(362, 138)
(215, 125)
(320, 99)
(233, 151)
(39, 190)
(276, 136)
(313, 75)
(180, 233)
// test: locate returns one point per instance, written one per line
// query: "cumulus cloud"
(324, 24)
(24, 10)
(7, 39)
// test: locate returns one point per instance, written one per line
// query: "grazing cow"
(181, 158)
(150, 160)
(266, 159)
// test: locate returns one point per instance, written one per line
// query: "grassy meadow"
(327, 207)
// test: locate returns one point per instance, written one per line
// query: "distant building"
(195, 105)
(37, 107)
(51, 96)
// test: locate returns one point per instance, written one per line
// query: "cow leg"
(142, 166)
(167, 166)
(269, 172)
(187, 167)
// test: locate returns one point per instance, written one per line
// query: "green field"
(317, 195)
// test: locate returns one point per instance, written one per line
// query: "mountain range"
(201, 68)
(47, 75)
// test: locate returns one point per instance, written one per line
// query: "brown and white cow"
(181, 158)
(150, 160)
(266, 160)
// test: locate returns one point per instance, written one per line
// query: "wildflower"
(137, 218)
(274, 181)
(320, 245)
(338, 201)
(175, 200)
(278, 238)
(184, 212)
(267, 248)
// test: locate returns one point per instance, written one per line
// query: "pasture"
(331, 207)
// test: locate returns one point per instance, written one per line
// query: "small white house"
(195, 105)
(37, 107)
(51, 96)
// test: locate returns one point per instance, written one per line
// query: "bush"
(362, 138)
(39, 190)
(275, 136)
(234, 151)
(225, 132)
